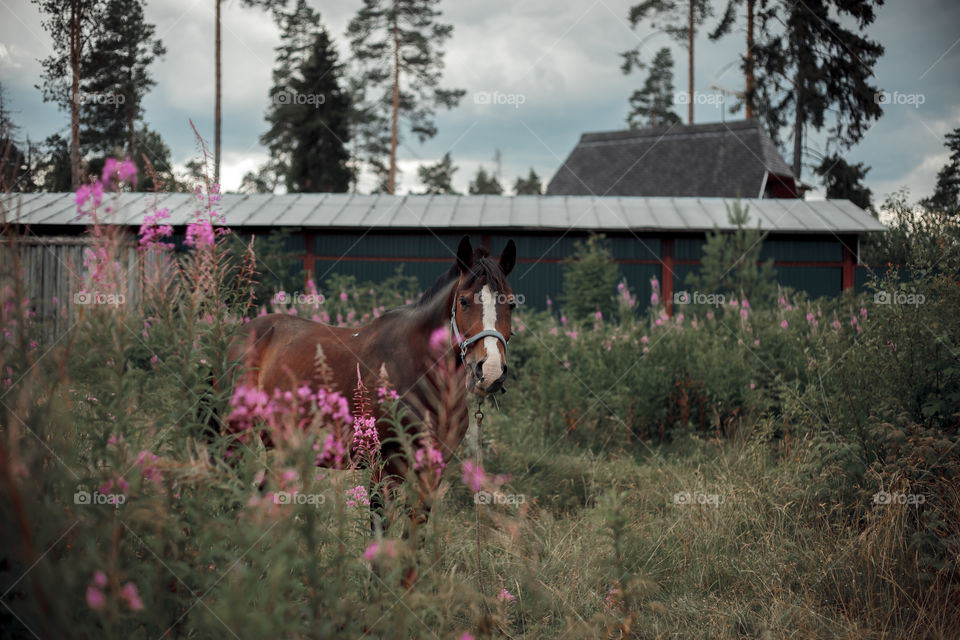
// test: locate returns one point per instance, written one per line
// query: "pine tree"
(844, 181)
(652, 105)
(946, 193)
(398, 47)
(53, 168)
(485, 184)
(116, 78)
(724, 27)
(590, 280)
(15, 169)
(811, 65)
(529, 186)
(730, 261)
(310, 112)
(677, 18)
(71, 25)
(438, 178)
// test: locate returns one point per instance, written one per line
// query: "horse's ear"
(508, 258)
(464, 255)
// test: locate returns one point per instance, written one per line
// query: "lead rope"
(479, 456)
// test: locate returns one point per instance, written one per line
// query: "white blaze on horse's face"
(493, 364)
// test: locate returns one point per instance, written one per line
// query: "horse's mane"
(483, 267)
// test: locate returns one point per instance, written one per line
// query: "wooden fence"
(52, 274)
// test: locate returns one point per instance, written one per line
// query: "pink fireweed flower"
(357, 496)
(784, 324)
(553, 331)
(549, 302)
(95, 598)
(129, 593)
(598, 315)
(100, 579)
(386, 395)
(505, 596)
(644, 340)
(109, 169)
(473, 475)
(200, 234)
(366, 440)
(563, 319)
(863, 312)
(127, 171)
(744, 314)
(343, 296)
(333, 454)
(379, 549)
(439, 340)
(709, 315)
(466, 636)
(146, 460)
(429, 458)
(835, 324)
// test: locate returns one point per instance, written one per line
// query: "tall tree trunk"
(76, 23)
(749, 60)
(798, 131)
(391, 181)
(131, 127)
(690, 83)
(216, 108)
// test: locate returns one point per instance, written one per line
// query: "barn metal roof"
(350, 211)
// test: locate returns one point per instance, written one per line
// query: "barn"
(814, 245)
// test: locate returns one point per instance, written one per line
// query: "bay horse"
(473, 298)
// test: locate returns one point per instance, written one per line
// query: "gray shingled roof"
(348, 211)
(721, 159)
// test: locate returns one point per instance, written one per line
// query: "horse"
(473, 298)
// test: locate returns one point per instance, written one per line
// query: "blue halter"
(462, 342)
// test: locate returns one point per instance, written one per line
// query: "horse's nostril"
(479, 369)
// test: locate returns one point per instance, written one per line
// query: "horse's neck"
(436, 313)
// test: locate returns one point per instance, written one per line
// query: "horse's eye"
(464, 302)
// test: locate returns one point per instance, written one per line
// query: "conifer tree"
(397, 45)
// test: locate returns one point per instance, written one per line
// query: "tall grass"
(646, 477)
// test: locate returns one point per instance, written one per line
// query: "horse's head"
(482, 305)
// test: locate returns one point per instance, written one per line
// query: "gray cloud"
(553, 66)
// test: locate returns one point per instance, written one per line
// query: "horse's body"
(280, 351)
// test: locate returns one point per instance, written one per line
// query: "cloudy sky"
(552, 65)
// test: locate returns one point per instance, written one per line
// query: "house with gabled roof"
(714, 160)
